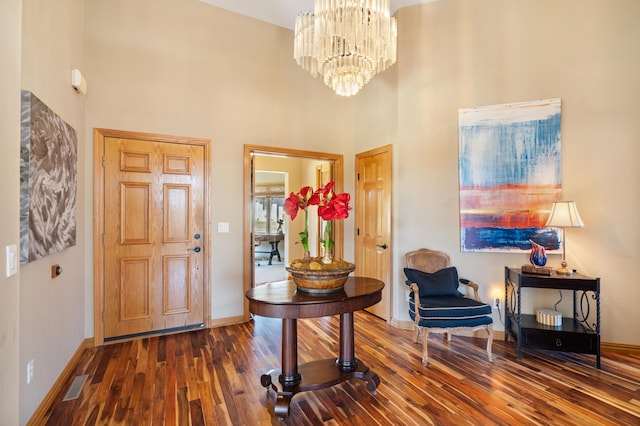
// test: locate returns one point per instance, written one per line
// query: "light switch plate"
(223, 227)
(12, 260)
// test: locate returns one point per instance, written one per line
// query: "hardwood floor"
(212, 377)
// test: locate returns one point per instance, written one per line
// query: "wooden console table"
(283, 300)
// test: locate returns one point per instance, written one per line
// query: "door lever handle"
(383, 246)
(196, 249)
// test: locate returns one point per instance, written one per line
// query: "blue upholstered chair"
(437, 306)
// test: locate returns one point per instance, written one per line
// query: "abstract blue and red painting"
(510, 174)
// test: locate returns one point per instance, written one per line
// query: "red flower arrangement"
(331, 206)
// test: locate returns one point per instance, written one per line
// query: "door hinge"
(102, 239)
(358, 231)
(358, 177)
(103, 162)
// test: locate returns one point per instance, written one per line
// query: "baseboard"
(403, 325)
(221, 322)
(39, 415)
(498, 335)
(620, 348)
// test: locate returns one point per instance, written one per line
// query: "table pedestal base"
(283, 300)
(315, 375)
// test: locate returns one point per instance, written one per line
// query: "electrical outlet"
(496, 303)
(30, 371)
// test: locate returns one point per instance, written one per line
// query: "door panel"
(134, 296)
(373, 222)
(134, 218)
(154, 219)
(176, 213)
(176, 287)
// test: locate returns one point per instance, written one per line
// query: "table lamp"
(564, 214)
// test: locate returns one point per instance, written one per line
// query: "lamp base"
(564, 271)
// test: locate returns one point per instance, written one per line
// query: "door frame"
(249, 152)
(99, 136)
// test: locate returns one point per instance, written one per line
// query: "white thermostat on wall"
(12, 260)
(78, 82)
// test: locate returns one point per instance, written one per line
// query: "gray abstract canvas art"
(48, 181)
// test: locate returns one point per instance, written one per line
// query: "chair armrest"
(473, 285)
(416, 300)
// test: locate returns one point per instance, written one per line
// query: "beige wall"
(10, 27)
(464, 53)
(190, 69)
(52, 315)
(185, 68)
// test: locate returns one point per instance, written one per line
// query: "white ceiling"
(283, 12)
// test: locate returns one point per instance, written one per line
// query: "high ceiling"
(283, 12)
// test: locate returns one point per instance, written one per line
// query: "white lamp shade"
(564, 214)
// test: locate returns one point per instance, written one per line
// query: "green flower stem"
(327, 241)
(304, 235)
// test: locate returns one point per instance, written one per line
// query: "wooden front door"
(154, 236)
(373, 222)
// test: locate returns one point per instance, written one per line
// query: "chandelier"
(346, 42)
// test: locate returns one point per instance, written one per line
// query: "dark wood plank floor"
(212, 377)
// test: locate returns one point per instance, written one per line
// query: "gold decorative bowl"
(329, 279)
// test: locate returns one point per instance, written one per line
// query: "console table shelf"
(575, 334)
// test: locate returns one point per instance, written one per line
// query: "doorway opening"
(271, 238)
(269, 230)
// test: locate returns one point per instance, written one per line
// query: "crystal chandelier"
(346, 42)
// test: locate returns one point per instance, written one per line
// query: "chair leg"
(425, 350)
(490, 342)
(416, 334)
(448, 333)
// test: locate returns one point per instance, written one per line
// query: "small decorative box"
(548, 317)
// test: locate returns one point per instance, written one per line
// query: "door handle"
(383, 246)
(196, 249)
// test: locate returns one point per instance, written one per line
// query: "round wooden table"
(283, 300)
